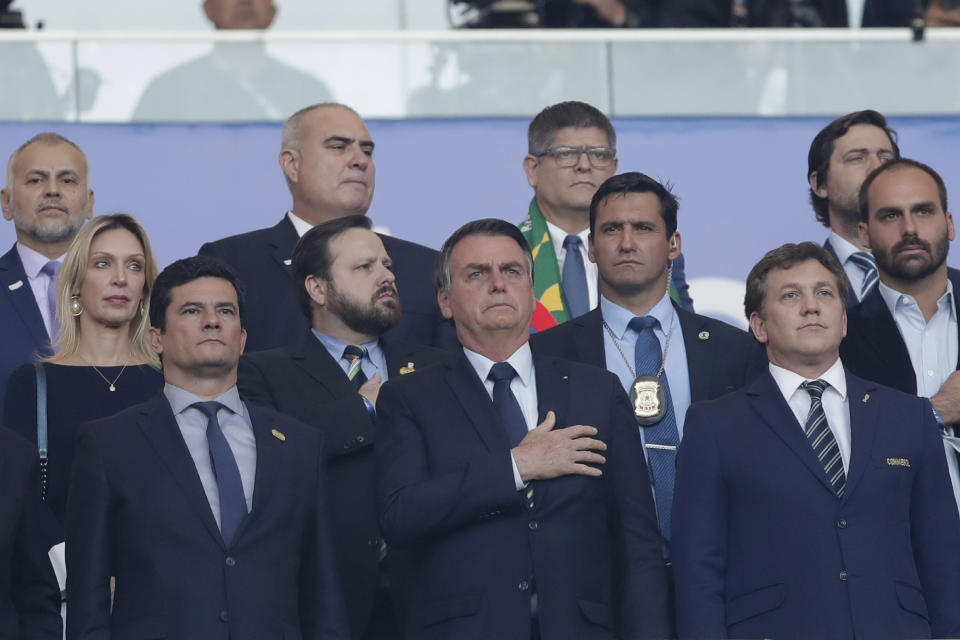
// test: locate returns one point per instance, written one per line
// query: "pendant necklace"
(647, 395)
(112, 385)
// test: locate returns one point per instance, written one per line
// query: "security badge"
(648, 400)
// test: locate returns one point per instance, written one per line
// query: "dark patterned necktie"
(868, 265)
(821, 437)
(354, 354)
(233, 504)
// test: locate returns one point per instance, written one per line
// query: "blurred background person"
(102, 362)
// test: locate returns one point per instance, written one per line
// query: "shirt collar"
(789, 381)
(896, 301)
(617, 317)
(843, 247)
(521, 360)
(301, 225)
(33, 261)
(557, 235)
(181, 399)
(335, 347)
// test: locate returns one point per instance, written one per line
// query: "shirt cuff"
(517, 480)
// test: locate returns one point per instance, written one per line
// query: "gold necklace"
(112, 385)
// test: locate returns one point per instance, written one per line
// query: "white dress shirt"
(557, 236)
(844, 249)
(237, 429)
(301, 225)
(933, 350)
(33, 262)
(834, 400)
(523, 386)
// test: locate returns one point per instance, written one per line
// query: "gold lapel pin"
(407, 369)
(279, 435)
(866, 397)
(704, 335)
(16, 285)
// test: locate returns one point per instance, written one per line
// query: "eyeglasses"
(600, 157)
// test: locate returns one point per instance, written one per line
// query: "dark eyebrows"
(216, 305)
(367, 144)
(477, 266)
(513, 264)
(926, 204)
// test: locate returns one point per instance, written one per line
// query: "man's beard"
(912, 268)
(372, 319)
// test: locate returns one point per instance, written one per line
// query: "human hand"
(548, 453)
(371, 388)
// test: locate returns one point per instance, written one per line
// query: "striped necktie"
(354, 354)
(866, 263)
(821, 437)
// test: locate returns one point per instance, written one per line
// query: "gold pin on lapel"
(704, 335)
(279, 435)
(866, 397)
(16, 285)
(287, 262)
(407, 369)
(566, 377)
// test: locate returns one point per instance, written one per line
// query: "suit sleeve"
(33, 583)
(414, 503)
(644, 605)
(935, 531)
(321, 599)
(88, 543)
(699, 529)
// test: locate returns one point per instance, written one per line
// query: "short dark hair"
(636, 182)
(784, 257)
(442, 273)
(312, 256)
(864, 199)
(187, 270)
(578, 115)
(818, 159)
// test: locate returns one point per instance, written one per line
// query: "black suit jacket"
(589, 547)
(138, 511)
(29, 595)
(303, 381)
(760, 13)
(273, 315)
(720, 357)
(24, 334)
(874, 348)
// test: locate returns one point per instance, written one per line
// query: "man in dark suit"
(330, 379)
(633, 241)
(783, 13)
(208, 511)
(840, 158)
(905, 332)
(47, 197)
(327, 160)
(516, 529)
(29, 595)
(812, 503)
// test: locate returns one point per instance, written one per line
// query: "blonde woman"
(102, 362)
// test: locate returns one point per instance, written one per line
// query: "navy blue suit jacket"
(29, 595)
(273, 315)
(874, 348)
(138, 511)
(720, 357)
(302, 380)
(763, 548)
(588, 547)
(24, 334)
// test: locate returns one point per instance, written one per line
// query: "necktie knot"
(864, 260)
(643, 324)
(502, 371)
(354, 352)
(209, 408)
(51, 269)
(815, 388)
(572, 242)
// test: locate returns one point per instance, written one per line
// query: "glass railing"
(265, 76)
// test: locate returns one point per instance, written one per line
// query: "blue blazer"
(763, 548)
(24, 334)
(720, 357)
(29, 595)
(273, 314)
(302, 380)
(588, 547)
(137, 511)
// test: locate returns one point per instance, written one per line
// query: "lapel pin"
(16, 285)
(866, 397)
(288, 262)
(566, 377)
(407, 369)
(279, 435)
(704, 335)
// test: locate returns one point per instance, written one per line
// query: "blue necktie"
(506, 403)
(662, 461)
(51, 269)
(821, 437)
(233, 504)
(574, 277)
(868, 265)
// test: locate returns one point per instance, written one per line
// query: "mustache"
(51, 202)
(387, 288)
(910, 242)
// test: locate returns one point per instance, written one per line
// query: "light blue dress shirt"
(933, 350)
(237, 428)
(375, 362)
(675, 369)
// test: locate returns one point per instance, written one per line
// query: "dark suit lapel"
(16, 287)
(863, 428)
(399, 355)
(553, 394)
(588, 338)
(768, 402)
(311, 356)
(269, 463)
(281, 239)
(160, 428)
(700, 354)
(471, 394)
(879, 330)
